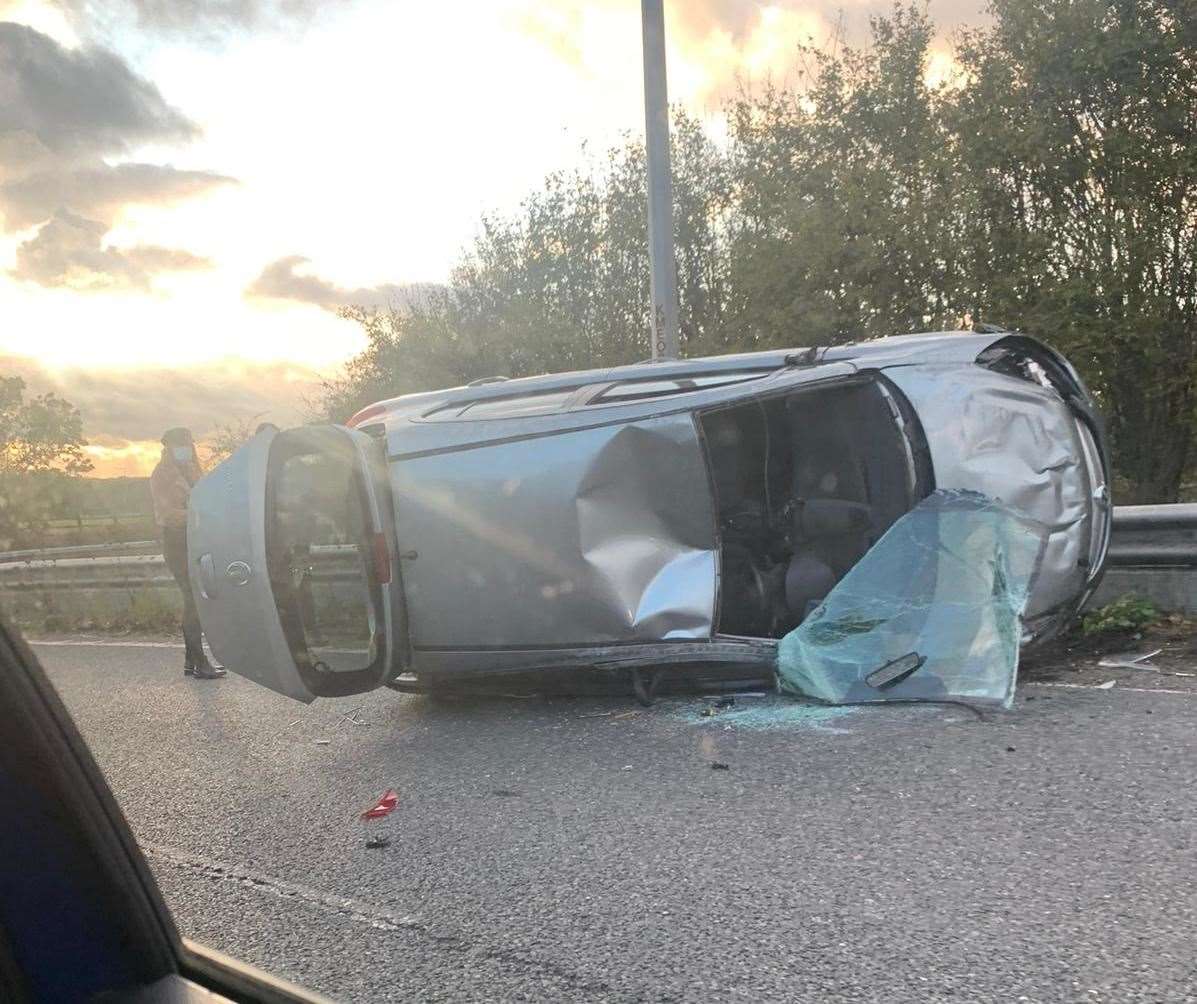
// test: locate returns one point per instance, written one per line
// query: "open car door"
(290, 546)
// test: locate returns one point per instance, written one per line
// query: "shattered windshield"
(931, 613)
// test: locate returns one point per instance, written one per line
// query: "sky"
(190, 189)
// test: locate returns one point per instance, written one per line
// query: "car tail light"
(368, 412)
(382, 559)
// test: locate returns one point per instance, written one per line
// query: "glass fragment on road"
(932, 612)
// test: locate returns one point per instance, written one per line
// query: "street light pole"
(660, 184)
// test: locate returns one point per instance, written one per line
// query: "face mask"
(181, 453)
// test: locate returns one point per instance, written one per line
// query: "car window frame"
(42, 735)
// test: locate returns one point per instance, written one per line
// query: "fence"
(1153, 552)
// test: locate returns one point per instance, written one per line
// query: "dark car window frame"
(46, 760)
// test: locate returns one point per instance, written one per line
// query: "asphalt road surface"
(561, 849)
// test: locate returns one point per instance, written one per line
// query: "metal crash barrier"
(1153, 552)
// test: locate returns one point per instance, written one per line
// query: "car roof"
(937, 346)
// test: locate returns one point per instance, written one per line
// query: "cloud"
(209, 19)
(78, 103)
(68, 251)
(126, 411)
(717, 47)
(64, 115)
(282, 280)
(99, 191)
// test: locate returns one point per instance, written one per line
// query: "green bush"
(1126, 614)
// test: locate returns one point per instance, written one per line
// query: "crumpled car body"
(675, 513)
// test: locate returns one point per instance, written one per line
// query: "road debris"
(322, 742)
(626, 767)
(384, 806)
(1130, 660)
(376, 842)
(598, 714)
(777, 712)
(716, 765)
(1108, 685)
(626, 714)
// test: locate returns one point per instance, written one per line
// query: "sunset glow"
(367, 139)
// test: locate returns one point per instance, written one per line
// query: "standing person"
(170, 486)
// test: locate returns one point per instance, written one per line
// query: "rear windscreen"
(321, 558)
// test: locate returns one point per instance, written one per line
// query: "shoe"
(208, 672)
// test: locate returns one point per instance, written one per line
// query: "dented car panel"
(596, 536)
(1017, 443)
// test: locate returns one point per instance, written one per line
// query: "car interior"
(805, 484)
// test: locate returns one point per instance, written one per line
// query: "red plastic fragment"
(384, 806)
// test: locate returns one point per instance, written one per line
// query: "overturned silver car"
(675, 513)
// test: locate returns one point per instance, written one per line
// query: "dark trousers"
(174, 550)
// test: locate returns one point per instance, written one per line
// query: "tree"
(1078, 131)
(846, 227)
(44, 433)
(228, 437)
(41, 448)
(562, 284)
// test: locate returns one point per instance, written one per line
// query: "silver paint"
(593, 536)
(1016, 442)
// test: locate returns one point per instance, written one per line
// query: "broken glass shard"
(932, 612)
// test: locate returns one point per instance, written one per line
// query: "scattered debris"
(384, 806)
(774, 713)
(375, 842)
(716, 765)
(1130, 660)
(1108, 685)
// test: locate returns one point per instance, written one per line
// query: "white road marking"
(1125, 690)
(343, 907)
(104, 644)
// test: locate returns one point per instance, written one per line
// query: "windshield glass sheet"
(931, 613)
